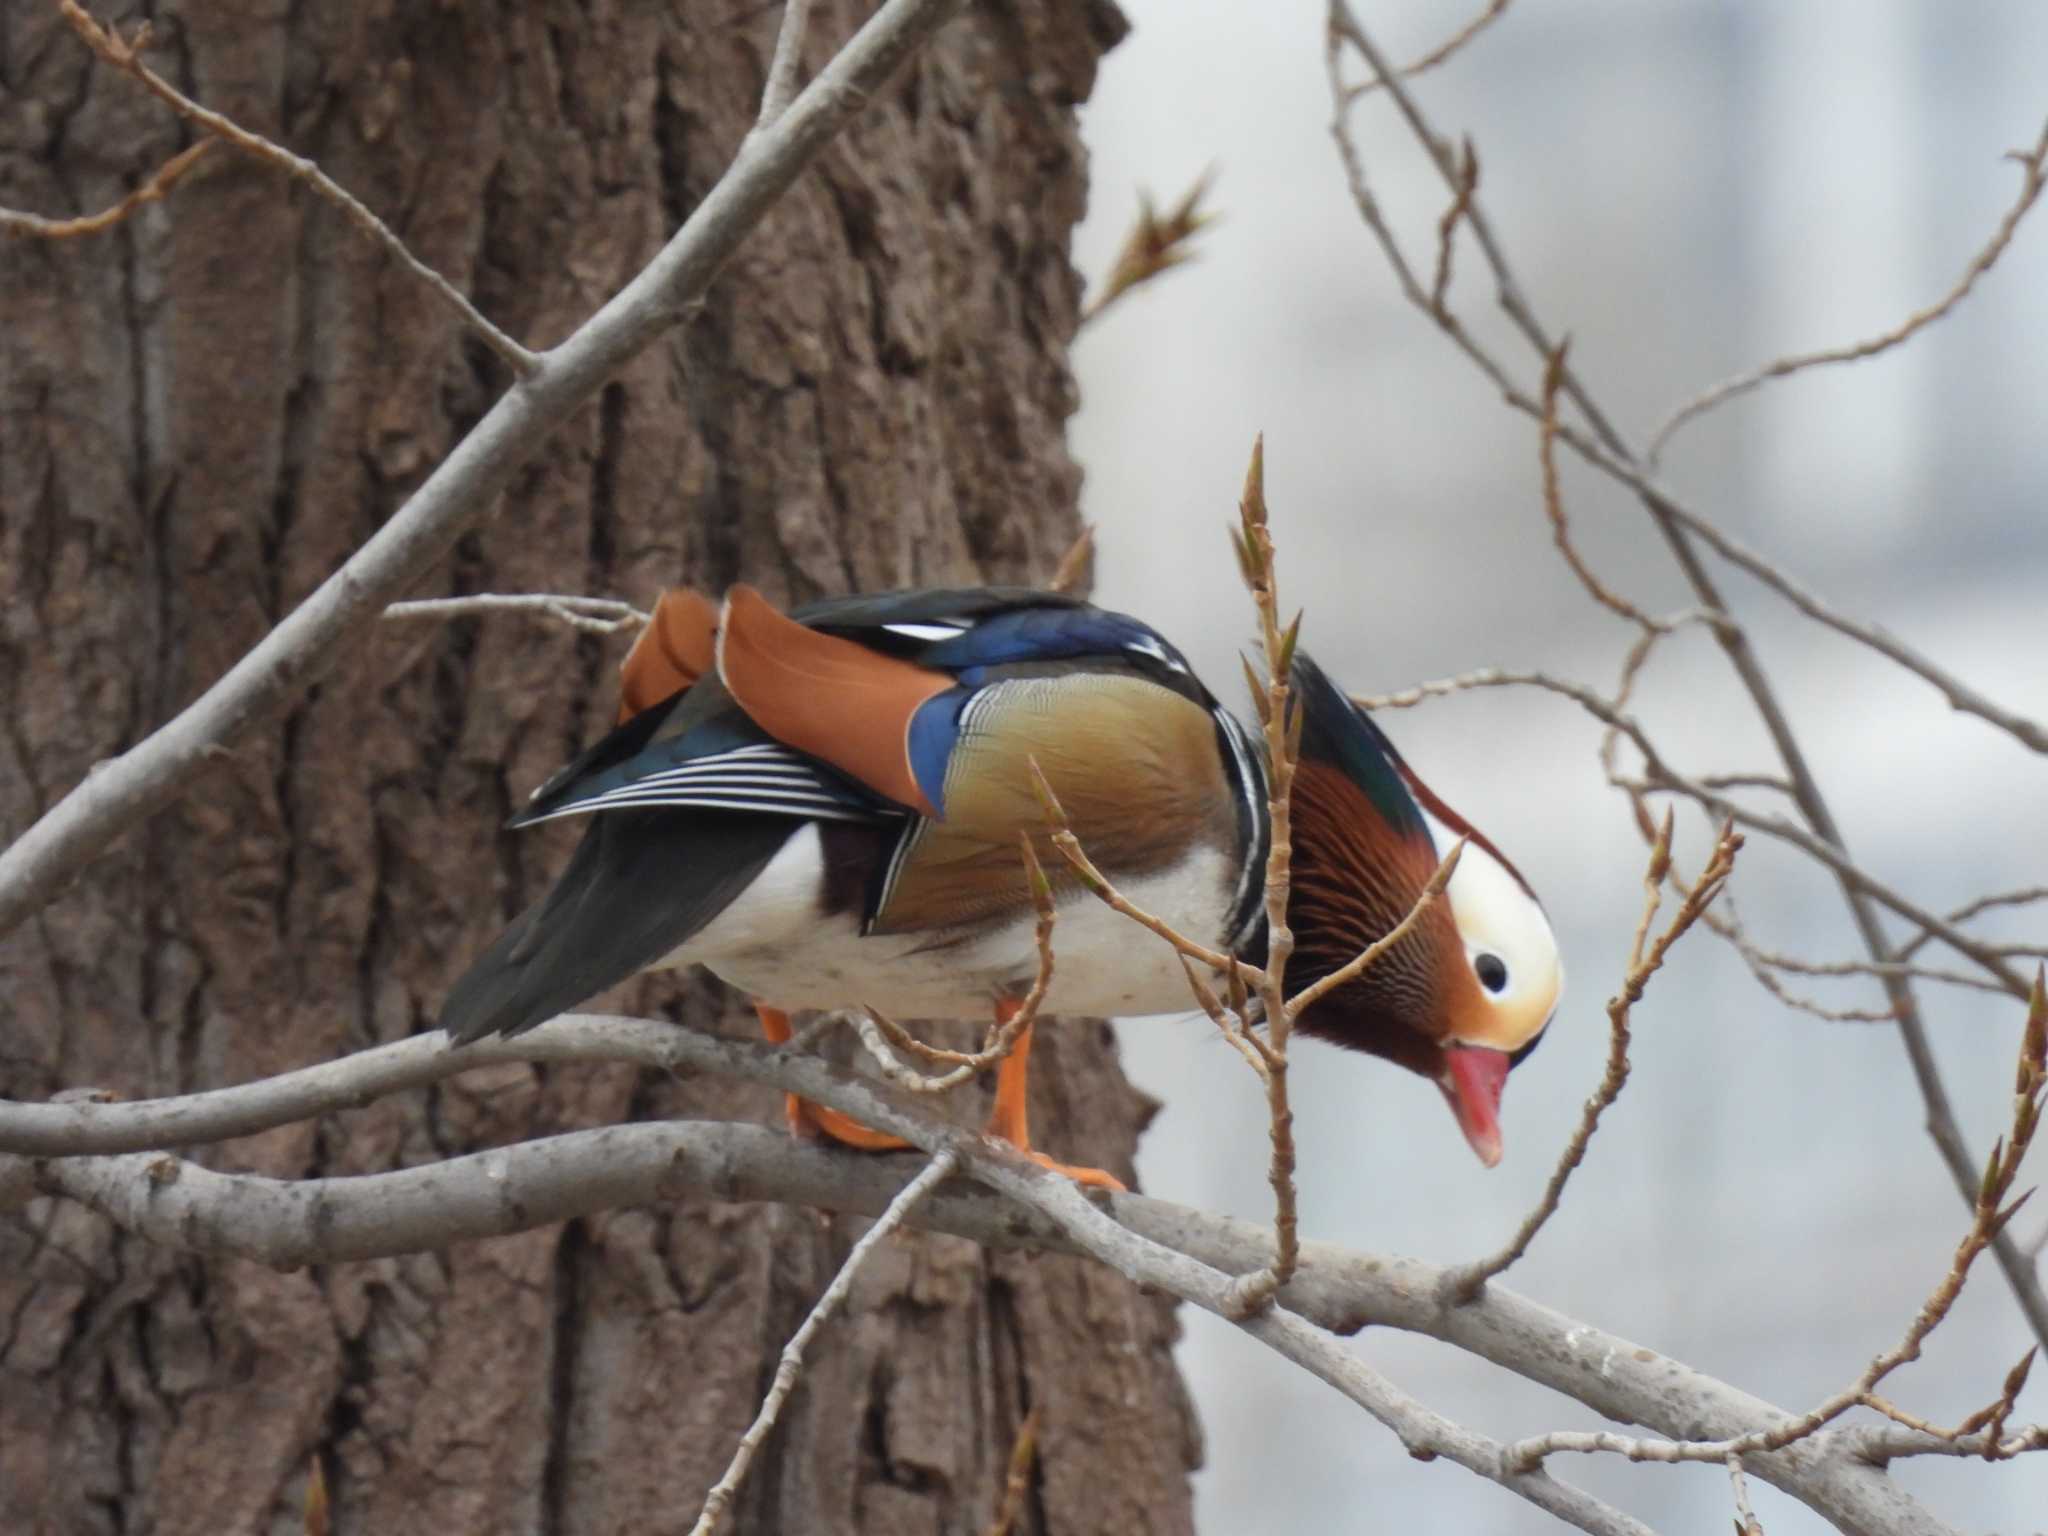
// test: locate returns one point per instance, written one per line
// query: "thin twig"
(160, 182)
(1959, 694)
(873, 1025)
(1444, 50)
(780, 88)
(877, 1031)
(1553, 499)
(1771, 781)
(1229, 1019)
(593, 615)
(1156, 244)
(1880, 1446)
(1068, 846)
(1992, 1420)
(1990, 1216)
(1366, 958)
(1798, 966)
(2033, 165)
(1282, 723)
(1969, 909)
(1612, 455)
(124, 54)
(1746, 1522)
(1447, 226)
(1660, 775)
(791, 1365)
(1467, 1283)
(1728, 927)
(1017, 1483)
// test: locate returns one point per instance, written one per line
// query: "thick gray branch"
(1191, 1253)
(463, 489)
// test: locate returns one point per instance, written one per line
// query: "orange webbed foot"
(1091, 1178)
(1011, 1122)
(808, 1121)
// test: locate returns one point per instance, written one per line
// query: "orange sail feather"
(837, 700)
(677, 647)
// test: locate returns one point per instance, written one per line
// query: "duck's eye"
(1492, 970)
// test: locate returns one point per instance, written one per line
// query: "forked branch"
(790, 1366)
(160, 182)
(125, 55)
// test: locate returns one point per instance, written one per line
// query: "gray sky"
(1688, 188)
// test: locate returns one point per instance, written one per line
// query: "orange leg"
(1011, 1120)
(807, 1120)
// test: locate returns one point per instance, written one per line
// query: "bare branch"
(1661, 776)
(464, 488)
(2020, 898)
(124, 54)
(1002, 1039)
(1553, 500)
(1796, 966)
(160, 182)
(791, 1365)
(1729, 927)
(1444, 50)
(1746, 1522)
(1611, 453)
(1099, 885)
(1989, 1218)
(1156, 244)
(780, 90)
(1960, 695)
(1769, 781)
(520, 1187)
(1282, 723)
(1447, 226)
(592, 615)
(1017, 1484)
(1467, 1283)
(2033, 165)
(1878, 1446)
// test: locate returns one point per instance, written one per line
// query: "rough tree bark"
(200, 414)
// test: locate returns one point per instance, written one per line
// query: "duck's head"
(1468, 993)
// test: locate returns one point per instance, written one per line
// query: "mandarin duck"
(823, 809)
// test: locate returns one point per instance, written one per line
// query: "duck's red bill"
(1472, 1083)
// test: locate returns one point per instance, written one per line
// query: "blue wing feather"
(934, 730)
(1050, 634)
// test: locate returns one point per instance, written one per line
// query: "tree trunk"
(201, 414)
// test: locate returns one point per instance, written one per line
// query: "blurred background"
(1690, 189)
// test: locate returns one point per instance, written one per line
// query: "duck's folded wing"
(640, 884)
(700, 752)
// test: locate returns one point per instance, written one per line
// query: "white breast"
(774, 943)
